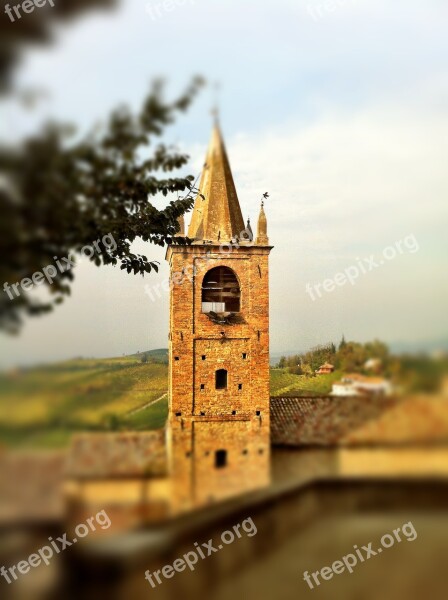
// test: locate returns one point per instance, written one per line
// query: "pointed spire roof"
(217, 216)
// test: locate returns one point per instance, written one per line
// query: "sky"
(338, 109)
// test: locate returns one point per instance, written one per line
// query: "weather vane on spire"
(264, 197)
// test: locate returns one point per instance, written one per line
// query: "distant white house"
(359, 385)
(343, 389)
(372, 364)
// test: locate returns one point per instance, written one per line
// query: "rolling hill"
(43, 406)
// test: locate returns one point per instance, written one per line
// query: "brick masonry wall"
(124, 454)
(203, 421)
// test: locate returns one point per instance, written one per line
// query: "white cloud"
(343, 121)
(342, 188)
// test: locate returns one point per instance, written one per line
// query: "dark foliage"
(58, 196)
(36, 28)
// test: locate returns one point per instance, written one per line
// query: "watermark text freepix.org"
(26, 7)
(46, 553)
(362, 267)
(320, 10)
(50, 272)
(157, 8)
(201, 551)
(349, 561)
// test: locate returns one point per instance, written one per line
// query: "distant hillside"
(159, 355)
(43, 406)
(274, 357)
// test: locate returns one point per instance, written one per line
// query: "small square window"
(176, 358)
(202, 386)
(240, 386)
(220, 459)
(244, 356)
(203, 357)
(245, 451)
(258, 413)
(178, 414)
(202, 414)
(233, 412)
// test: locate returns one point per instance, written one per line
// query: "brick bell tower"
(218, 427)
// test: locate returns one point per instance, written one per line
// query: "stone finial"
(262, 229)
(249, 232)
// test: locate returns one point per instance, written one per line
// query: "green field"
(284, 383)
(43, 406)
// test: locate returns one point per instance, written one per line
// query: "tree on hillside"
(319, 355)
(292, 363)
(59, 196)
(307, 371)
(282, 364)
(377, 349)
(351, 357)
